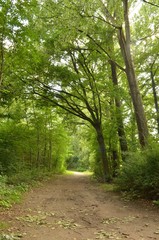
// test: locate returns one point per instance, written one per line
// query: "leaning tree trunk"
(124, 42)
(120, 124)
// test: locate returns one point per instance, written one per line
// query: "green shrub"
(131, 172)
(151, 181)
(140, 173)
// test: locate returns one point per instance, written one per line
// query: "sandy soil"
(73, 207)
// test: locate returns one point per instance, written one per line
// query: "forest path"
(72, 207)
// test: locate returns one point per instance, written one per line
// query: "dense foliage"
(32, 140)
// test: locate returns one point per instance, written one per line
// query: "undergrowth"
(10, 194)
(139, 175)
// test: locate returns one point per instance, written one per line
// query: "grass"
(109, 187)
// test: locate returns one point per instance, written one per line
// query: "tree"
(114, 16)
(32, 138)
(124, 41)
(77, 91)
(120, 124)
(77, 47)
(146, 39)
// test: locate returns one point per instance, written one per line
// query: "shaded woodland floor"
(73, 207)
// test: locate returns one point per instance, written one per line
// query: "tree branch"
(101, 48)
(69, 108)
(150, 3)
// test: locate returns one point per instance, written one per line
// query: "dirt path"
(74, 208)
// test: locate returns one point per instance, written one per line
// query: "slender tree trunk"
(1, 57)
(50, 154)
(155, 98)
(103, 152)
(29, 140)
(44, 153)
(38, 149)
(120, 124)
(124, 41)
(115, 162)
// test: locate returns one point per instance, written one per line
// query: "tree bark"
(120, 124)
(124, 42)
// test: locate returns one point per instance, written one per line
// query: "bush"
(151, 181)
(140, 173)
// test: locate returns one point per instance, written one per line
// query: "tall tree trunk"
(103, 152)
(155, 98)
(124, 42)
(120, 125)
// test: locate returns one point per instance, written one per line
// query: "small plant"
(156, 202)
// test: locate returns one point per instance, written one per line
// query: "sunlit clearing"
(78, 173)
